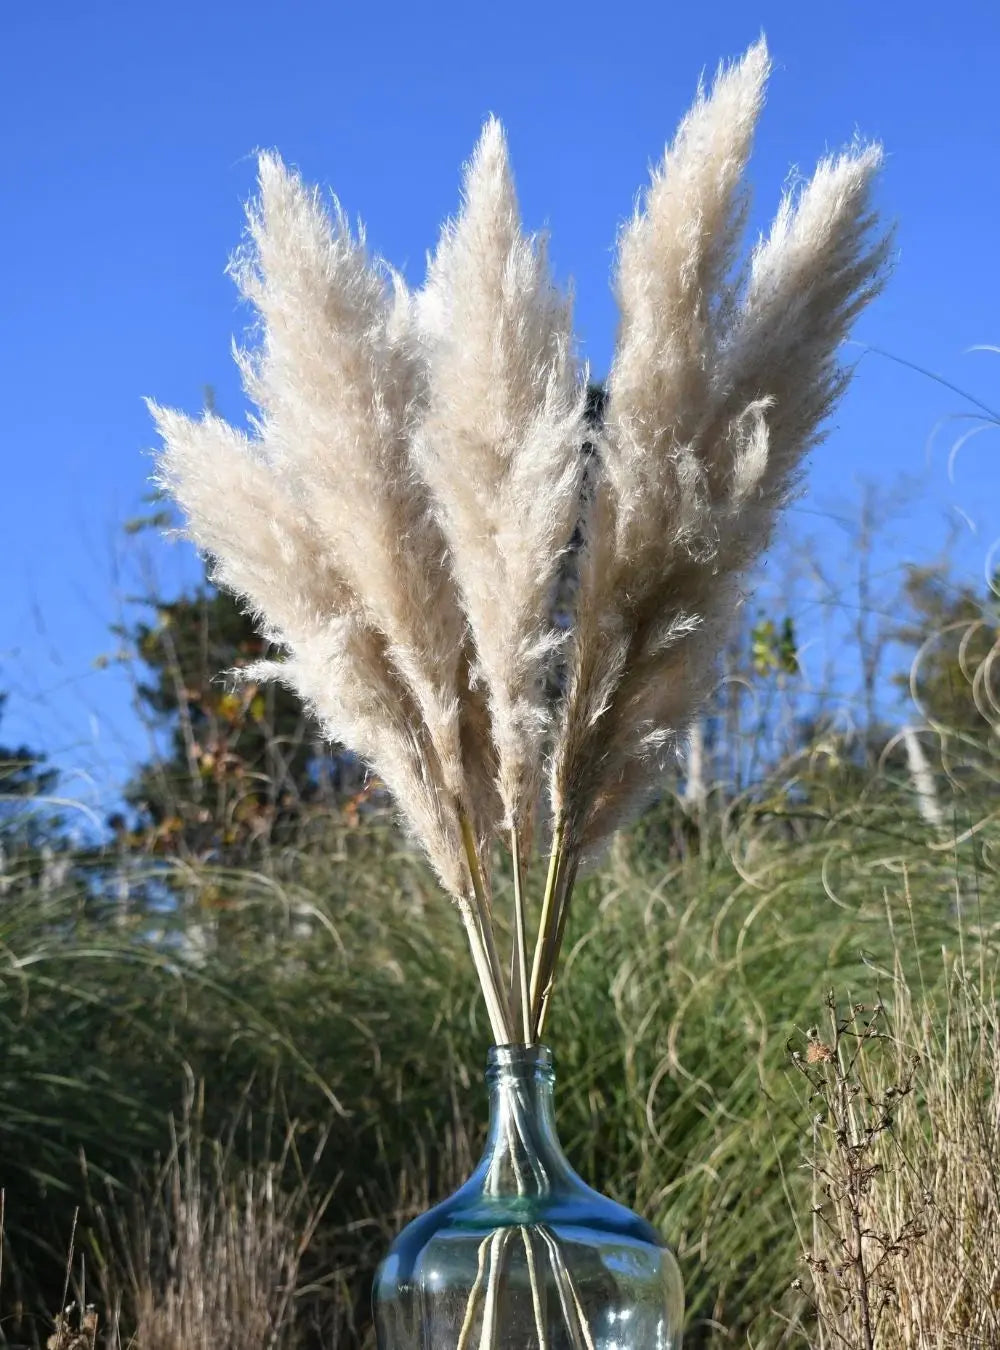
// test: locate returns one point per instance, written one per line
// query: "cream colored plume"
(320, 520)
(399, 517)
(339, 382)
(500, 449)
(268, 551)
(718, 388)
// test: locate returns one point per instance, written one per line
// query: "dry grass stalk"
(209, 1259)
(400, 516)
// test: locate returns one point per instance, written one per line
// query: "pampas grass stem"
(498, 1261)
(519, 981)
(563, 913)
(485, 921)
(537, 1292)
(484, 972)
(474, 1294)
(572, 1312)
(546, 923)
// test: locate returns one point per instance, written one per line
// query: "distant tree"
(36, 849)
(25, 782)
(23, 772)
(239, 766)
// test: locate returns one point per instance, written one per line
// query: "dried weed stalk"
(905, 1157)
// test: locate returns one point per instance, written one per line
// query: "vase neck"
(523, 1155)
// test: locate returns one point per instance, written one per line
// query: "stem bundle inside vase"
(425, 486)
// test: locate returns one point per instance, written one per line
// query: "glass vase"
(525, 1255)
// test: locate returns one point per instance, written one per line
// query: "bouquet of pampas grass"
(400, 509)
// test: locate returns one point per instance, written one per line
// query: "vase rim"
(519, 1058)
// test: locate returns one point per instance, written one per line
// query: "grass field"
(244, 1095)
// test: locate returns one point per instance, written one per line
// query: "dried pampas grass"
(719, 387)
(500, 449)
(399, 517)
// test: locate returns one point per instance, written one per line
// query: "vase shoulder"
(564, 1209)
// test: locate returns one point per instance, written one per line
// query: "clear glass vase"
(525, 1256)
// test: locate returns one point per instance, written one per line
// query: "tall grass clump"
(398, 517)
(208, 1254)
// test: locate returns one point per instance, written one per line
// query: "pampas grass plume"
(402, 508)
(500, 449)
(719, 387)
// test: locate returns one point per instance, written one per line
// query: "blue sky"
(129, 139)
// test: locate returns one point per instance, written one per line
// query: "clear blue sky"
(129, 132)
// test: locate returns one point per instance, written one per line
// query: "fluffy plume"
(339, 383)
(399, 517)
(719, 387)
(267, 550)
(500, 449)
(320, 521)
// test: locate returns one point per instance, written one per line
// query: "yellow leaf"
(230, 706)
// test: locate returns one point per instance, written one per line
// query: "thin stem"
(546, 924)
(519, 981)
(498, 1261)
(517, 1126)
(488, 1243)
(578, 1306)
(537, 1290)
(576, 1323)
(564, 903)
(505, 1036)
(477, 946)
(474, 1292)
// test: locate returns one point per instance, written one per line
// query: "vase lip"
(519, 1058)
